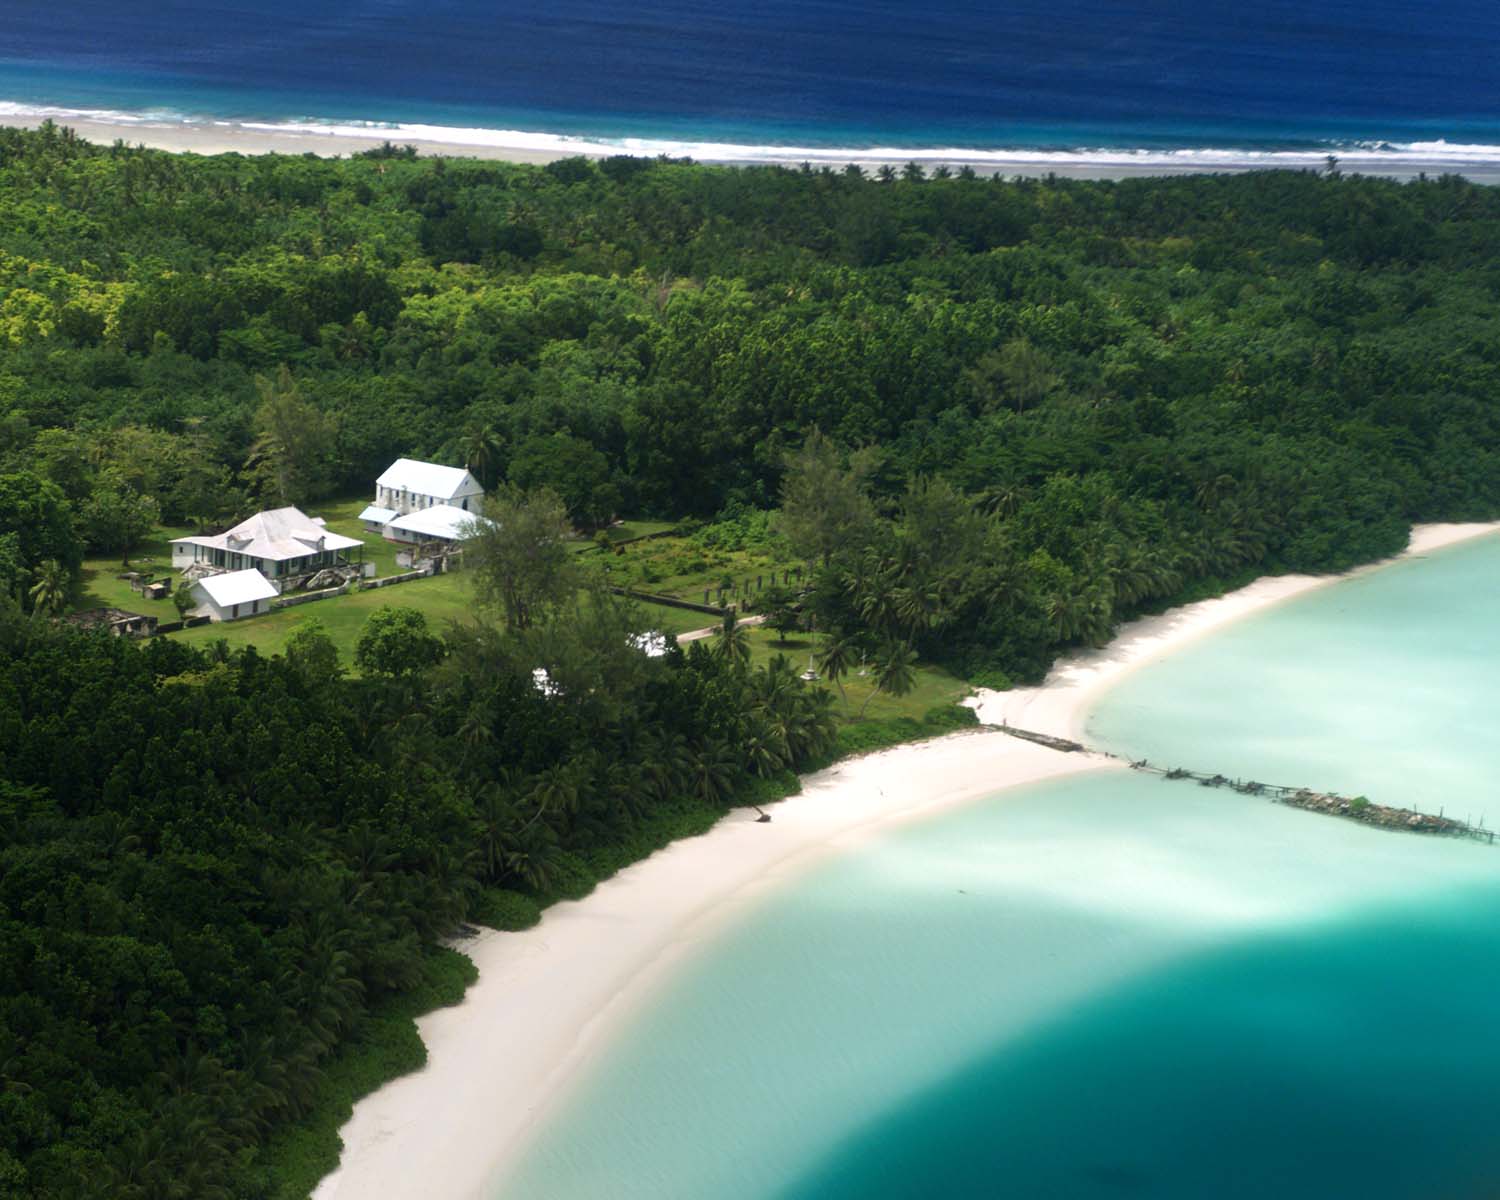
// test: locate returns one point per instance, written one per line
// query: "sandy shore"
(548, 999)
(225, 137)
(1060, 706)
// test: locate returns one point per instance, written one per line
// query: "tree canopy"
(999, 417)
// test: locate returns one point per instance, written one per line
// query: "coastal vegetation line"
(991, 420)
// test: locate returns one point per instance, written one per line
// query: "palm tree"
(497, 820)
(531, 855)
(918, 607)
(813, 728)
(1081, 614)
(763, 746)
(835, 660)
(1000, 500)
(895, 673)
(49, 594)
(477, 730)
(666, 765)
(714, 769)
(481, 446)
(732, 641)
(873, 586)
(556, 790)
(369, 852)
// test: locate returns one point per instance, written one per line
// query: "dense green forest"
(1145, 383)
(994, 417)
(214, 867)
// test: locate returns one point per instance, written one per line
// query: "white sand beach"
(548, 999)
(225, 137)
(330, 140)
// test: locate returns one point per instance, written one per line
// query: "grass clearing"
(101, 586)
(681, 568)
(934, 687)
(450, 597)
(441, 598)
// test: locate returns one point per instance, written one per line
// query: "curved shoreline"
(547, 1000)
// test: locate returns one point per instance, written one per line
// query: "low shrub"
(501, 908)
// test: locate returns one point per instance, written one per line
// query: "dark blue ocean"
(1052, 74)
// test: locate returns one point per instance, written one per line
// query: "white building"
(410, 486)
(444, 523)
(233, 595)
(284, 545)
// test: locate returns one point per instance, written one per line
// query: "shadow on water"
(1352, 1060)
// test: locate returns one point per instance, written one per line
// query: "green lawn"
(934, 686)
(450, 597)
(342, 516)
(679, 567)
(625, 531)
(674, 620)
(101, 586)
(441, 598)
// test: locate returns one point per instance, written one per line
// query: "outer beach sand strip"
(547, 1000)
(1477, 163)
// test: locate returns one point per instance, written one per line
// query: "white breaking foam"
(1372, 156)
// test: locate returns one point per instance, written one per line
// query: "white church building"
(409, 487)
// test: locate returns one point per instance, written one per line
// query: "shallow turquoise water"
(1105, 986)
(1386, 685)
(1316, 1063)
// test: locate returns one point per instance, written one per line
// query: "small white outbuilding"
(441, 523)
(234, 594)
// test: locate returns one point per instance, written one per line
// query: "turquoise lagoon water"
(1108, 985)
(1386, 684)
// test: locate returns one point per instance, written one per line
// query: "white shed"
(235, 594)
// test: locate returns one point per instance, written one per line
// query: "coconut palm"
(556, 790)
(895, 673)
(49, 594)
(481, 446)
(813, 728)
(732, 641)
(714, 770)
(532, 854)
(1081, 614)
(918, 607)
(666, 765)
(763, 746)
(497, 821)
(835, 659)
(477, 730)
